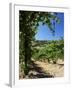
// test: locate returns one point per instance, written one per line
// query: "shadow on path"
(37, 72)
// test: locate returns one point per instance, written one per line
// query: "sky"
(44, 32)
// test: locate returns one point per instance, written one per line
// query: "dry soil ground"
(40, 69)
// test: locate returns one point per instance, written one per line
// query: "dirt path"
(40, 69)
(57, 70)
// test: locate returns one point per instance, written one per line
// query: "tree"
(28, 23)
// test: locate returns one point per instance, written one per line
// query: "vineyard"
(50, 51)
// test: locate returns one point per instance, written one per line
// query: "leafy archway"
(28, 23)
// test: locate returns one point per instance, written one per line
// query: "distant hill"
(43, 42)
